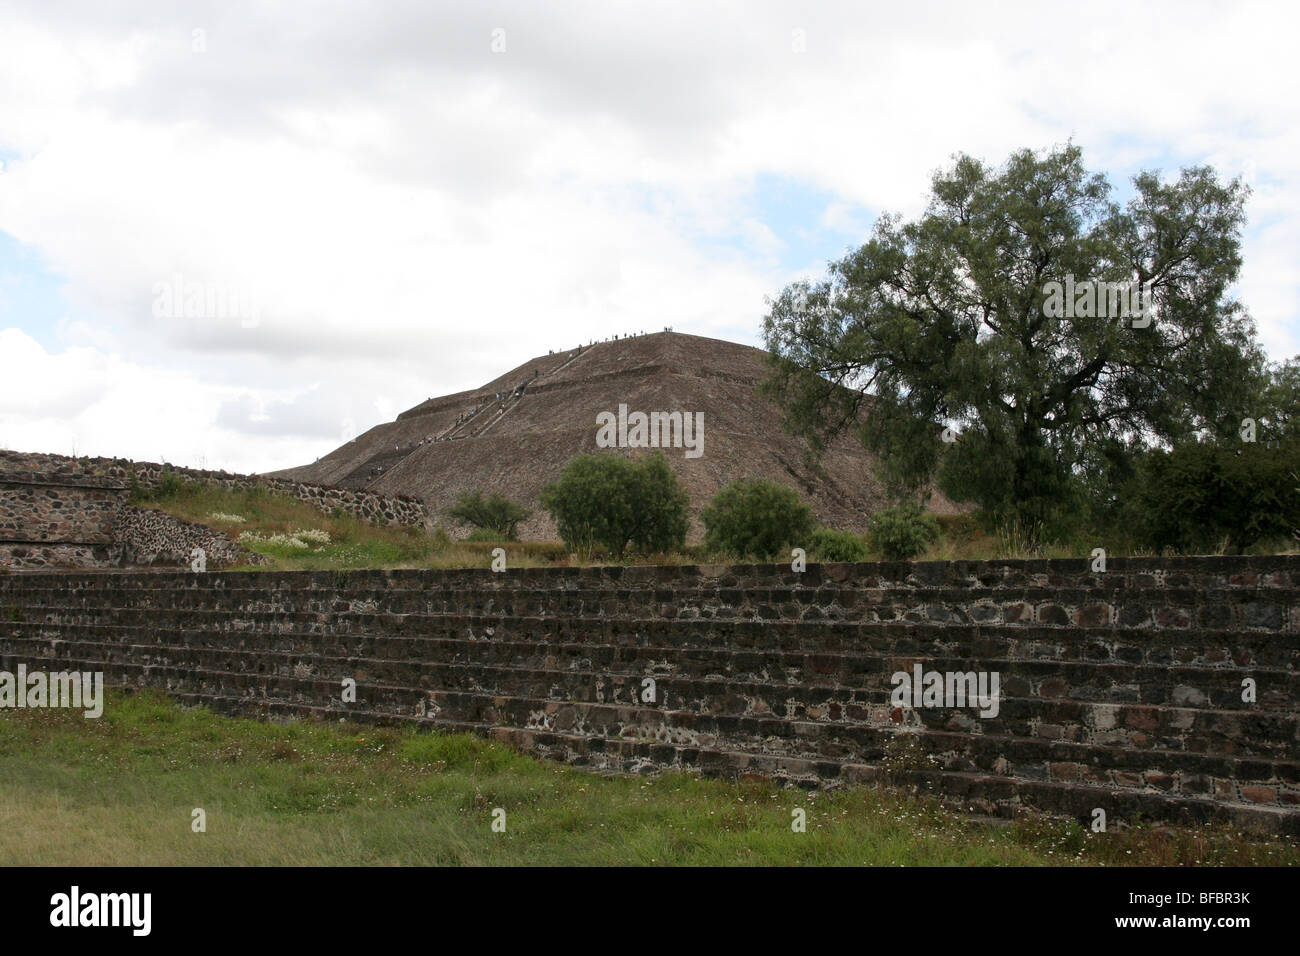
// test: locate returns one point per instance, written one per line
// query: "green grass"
(121, 790)
(963, 539)
(357, 544)
(354, 543)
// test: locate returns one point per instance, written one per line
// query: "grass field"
(276, 518)
(122, 789)
(352, 543)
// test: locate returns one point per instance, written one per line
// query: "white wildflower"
(300, 540)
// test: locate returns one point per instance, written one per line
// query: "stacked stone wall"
(57, 511)
(1160, 688)
(149, 537)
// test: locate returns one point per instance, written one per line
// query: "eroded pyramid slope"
(516, 444)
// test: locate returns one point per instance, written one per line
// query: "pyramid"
(516, 433)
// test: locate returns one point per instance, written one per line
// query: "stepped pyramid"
(547, 414)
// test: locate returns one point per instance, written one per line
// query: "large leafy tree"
(949, 321)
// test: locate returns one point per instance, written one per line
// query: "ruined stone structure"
(1161, 687)
(146, 537)
(516, 433)
(74, 512)
(52, 519)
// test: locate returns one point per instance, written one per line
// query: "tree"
(756, 518)
(1279, 403)
(492, 514)
(953, 320)
(613, 501)
(1200, 495)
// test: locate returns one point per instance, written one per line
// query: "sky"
(383, 202)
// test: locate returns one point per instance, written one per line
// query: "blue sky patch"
(31, 295)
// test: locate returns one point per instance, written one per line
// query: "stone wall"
(38, 555)
(57, 517)
(1124, 691)
(148, 537)
(60, 511)
(378, 508)
(72, 509)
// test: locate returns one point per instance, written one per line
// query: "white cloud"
(85, 401)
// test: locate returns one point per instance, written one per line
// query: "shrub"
(484, 534)
(168, 485)
(611, 501)
(756, 518)
(904, 531)
(494, 514)
(1201, 494)
(831, 545)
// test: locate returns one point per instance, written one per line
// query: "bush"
(756, 518)
(483, 534)
(1198, 496)
(169, 485)
(493, 514)
(902, 532)
(611, 501)
(831, 545)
